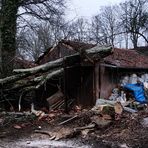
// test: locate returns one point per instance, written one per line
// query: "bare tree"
(77, 30)
(95, 30)
(134, 18)
(39, 9)
(36, 39)
(105, 26)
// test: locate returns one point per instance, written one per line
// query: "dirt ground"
(19, 132)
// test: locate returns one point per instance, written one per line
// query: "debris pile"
(132, 93)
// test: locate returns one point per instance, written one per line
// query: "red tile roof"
(127, 58)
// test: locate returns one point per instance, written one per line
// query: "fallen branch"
(44, 67)
(99, 51)
(12, 78)
(90, 126)
(68, 120)
(49, 76)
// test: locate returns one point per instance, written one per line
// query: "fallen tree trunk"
(12, 78)
(41, 79)
(30, 79)
(49, 76)
(44, 67)
(98, 50)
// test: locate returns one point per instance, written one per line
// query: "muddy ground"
(19, 132)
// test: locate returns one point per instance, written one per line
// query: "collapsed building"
(87, 80)
(88, 72)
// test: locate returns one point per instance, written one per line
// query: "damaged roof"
(63, 48)
(126, 58)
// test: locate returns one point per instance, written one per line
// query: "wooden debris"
(118, 108)
(101, 121)
(60, 134)
(55, 98)
(43, 132)
(104, 102)
(68, 120)
(90, 126)
(17, 127)
(40, 114)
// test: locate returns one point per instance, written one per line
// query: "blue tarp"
(138, 92)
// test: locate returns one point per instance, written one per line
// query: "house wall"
(87, 97)
(79, 85)
(108, 81)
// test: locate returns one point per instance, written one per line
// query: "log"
(43, 78)
(98, 50)
(49, 76)
(118, 108)
(44, 67)
(12, 78)
(109, 102)
(101, 52)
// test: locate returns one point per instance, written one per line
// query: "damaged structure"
(82, 73)
(71, 73)
(93, 78)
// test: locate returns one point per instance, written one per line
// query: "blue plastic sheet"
(138, 92)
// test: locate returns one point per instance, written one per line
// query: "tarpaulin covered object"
(138, 92)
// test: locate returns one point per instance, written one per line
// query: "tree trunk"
(8, 32)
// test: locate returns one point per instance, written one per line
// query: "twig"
(43, 132)
(68, 120)
(90, 126)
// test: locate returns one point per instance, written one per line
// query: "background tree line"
(30, 27)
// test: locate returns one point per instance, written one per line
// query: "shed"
(79, 76)
(86, 80)
(121, 63)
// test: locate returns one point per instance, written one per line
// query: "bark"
(96, 52)
(49, 76)
(8, 34)
(41, 68)
(12, 78)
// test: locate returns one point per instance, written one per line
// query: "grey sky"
(87, 8)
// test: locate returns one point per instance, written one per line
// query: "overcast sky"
(87, 8)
